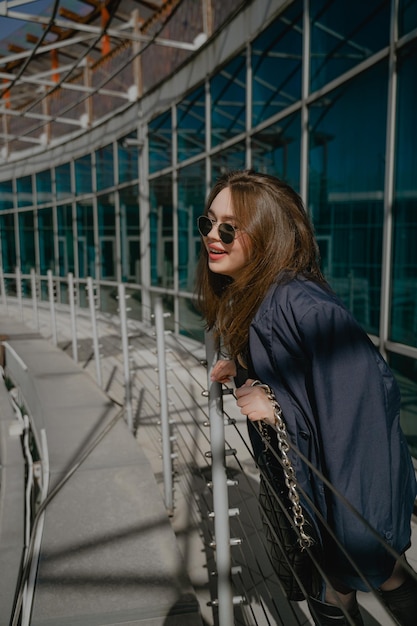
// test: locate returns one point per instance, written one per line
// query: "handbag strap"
(304, 540)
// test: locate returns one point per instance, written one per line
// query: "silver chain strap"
(304, 540)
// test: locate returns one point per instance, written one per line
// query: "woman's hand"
(254, 403)
(224, 371)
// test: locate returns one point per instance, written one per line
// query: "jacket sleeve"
(355, 402)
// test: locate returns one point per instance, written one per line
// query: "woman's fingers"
(254, 403)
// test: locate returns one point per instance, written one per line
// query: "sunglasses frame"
(227, 232)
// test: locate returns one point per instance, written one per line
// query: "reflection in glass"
(407, 16)
(6, 195)
(63, 181)
(130, 234)
(233, 158)
(191, 197)
(85, 240)
(127, 154)
(107, 235)
(8, 242)
(160, 142)
(228, 101)
(343, 34)
(276, 150)
(27, 241)
(276, 64)
(191, 125)
(24, 191)
(104, 168)
(83, 175)
(161, 232)
(43, 186)
(65, 239)
(46, 240)
(346, 183)
(405, 370)
(404, 273)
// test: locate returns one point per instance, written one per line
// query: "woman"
(261, 290)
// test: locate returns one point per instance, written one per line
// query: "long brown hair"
(281, 245)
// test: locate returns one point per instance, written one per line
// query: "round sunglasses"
(227, 232)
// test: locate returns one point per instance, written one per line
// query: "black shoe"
(402, 602)
(325, 614)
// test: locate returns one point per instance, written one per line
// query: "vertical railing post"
(51, 296)
(73, 317)
(19, 291)
(126, 358)
(96, 347)
(220, 490)
(163, 395)
(34, 291)
(3, 290)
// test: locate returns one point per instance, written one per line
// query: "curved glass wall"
(404, 266)
(312, 98)
(346, 188)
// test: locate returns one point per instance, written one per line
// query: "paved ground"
(186, 380)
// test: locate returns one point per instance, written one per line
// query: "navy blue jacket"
(341, 405)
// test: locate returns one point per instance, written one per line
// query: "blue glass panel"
(404, 273)
(130, 233)
(128, 154)
(27, 241)
(6, 195)
(276, 64)
(191, 125)
(63, 181)
(65, 239)
(228, 101)
(346, 185)
(407, 16)
(107, 235)
(85, 240)
(160, 142)
(83, 175)
(104, 168)
(24, 191)
(8, 242)
(46, 240)
(44, 186)
(233, 158)
(343, 34)
(191, 200)
(276, 150)
(161, 231)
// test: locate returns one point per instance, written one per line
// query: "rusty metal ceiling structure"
(67, 64)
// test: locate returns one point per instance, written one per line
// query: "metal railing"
(163, 382)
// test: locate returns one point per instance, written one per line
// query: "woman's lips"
(216, 253)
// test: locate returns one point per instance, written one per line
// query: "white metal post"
(52, 306)
(125, 348)
(3, 290)
(19, 291)
(220, 493)
(163, 395)
(34, 299)
(96, 347)
(73, 317)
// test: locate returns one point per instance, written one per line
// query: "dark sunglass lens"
(204, 225)
(226, 233)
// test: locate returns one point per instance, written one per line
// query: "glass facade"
(322, 95)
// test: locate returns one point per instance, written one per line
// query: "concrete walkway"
(108, 554)
(186, 379)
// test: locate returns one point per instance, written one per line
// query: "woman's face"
(227, 259)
